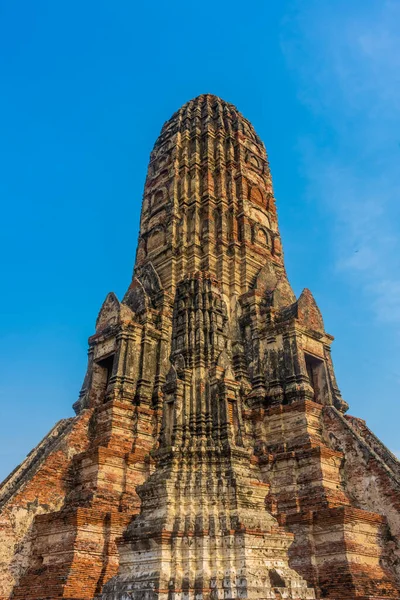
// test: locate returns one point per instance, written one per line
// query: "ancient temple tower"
(210, 456)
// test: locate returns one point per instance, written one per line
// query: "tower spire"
(208, 203)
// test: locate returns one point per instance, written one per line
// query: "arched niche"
(217, 218)
(256, 196)
(248, 131)
(156, 238)
(260, 236)
(159, 198)
(162, 175)
(141, 251)
(163, 161)
(253, 161)
(157, 218)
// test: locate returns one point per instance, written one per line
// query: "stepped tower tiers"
(208, 202)
(210, 456)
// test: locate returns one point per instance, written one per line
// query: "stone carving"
(209, 457)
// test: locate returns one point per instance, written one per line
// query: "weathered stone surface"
(210, 457)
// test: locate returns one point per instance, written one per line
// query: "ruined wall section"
(371, 482)
(38, 486)
(390, 460)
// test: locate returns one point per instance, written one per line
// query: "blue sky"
(84, 90)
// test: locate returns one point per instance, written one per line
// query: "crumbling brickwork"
(210, 456)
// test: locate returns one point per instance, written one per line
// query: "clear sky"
(84, 90)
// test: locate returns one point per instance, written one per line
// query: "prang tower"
(210, 457)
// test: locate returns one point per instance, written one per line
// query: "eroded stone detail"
(210, 457)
